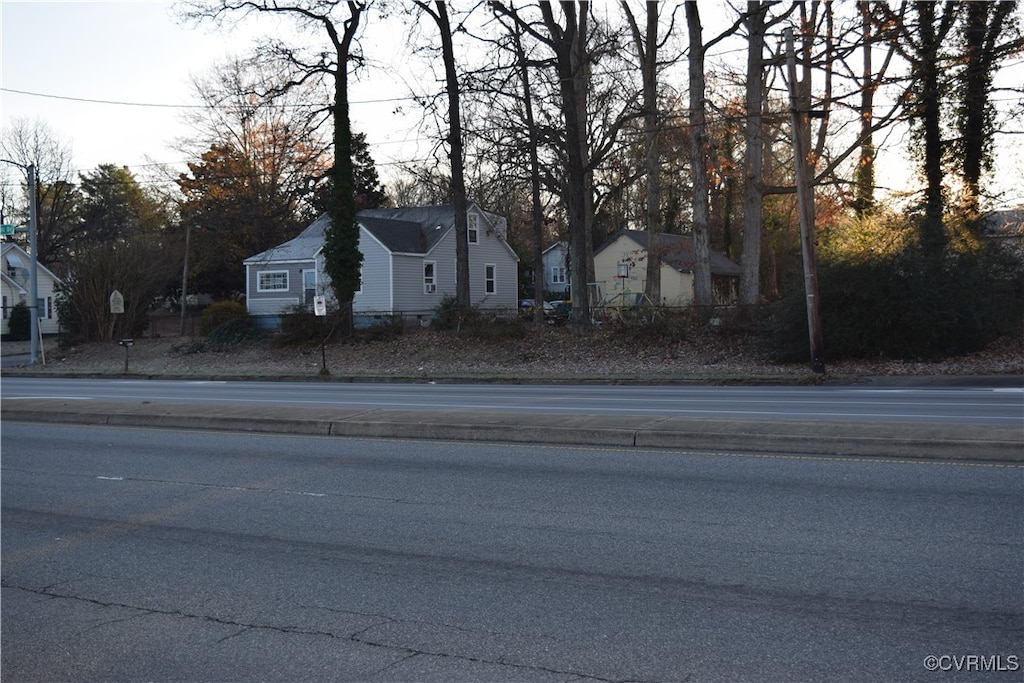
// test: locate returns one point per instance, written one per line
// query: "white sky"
(136, 52)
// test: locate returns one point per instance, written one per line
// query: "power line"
(157, 105)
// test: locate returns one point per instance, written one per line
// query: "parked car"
(554, 312)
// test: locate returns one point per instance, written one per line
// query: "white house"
(408, 264)
(15, 288)
(620, 269)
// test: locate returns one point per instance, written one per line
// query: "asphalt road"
(981, 405)
(136, 554)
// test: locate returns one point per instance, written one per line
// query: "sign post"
(320, 309)
(126, 343)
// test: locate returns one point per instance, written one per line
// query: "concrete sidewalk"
(1001, 444)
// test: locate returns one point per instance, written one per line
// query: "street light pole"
(184, 276)
(33, 226)
(34, 277)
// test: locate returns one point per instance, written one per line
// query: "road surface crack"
(360, 637)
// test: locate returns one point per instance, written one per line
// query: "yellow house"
(620, 270)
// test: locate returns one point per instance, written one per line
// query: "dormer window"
(472, 228)
(13, 263)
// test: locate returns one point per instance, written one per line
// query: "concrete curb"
(891, 440)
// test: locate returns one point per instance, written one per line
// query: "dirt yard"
(540, 354)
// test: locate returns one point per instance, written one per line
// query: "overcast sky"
(128, 56)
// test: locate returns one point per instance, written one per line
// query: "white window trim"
(259, 281)
(472, 229)
(316, 283)
(622, 270)
(430, 283)
(492, 280)
(558, 275)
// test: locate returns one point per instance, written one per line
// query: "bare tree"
(753, 164)
(25, 143)
(647, 45)
(566, 36)
(456, 158)
(700, 153)
(342, 258)
(988, 36)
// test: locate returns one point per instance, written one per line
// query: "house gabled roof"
(402, 236)
(303, 247)
(404, 230)
(10, 249)
(13, 284)
(561, 243)
(676, 252)
(396, 233)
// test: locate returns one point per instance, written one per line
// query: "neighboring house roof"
(560, 244)
(1007, 223)
(676, 252)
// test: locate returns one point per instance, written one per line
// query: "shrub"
(903, 306)
(218, 313)
(449, 315)
(19, 323)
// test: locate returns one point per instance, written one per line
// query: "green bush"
(449, 315)
(903, 306)
(218, 313)
(19, 324)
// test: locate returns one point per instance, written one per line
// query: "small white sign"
(320, 305)
(116, 302)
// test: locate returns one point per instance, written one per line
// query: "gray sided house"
(408, 265)
(556, 269)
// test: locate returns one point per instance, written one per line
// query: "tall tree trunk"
(702, 291)
(753, 167)
(536, 213)
(932, 229)
(455, 156)
(864, 174)
(647, 50)
(570, 64)
(985, 22)
(342, 259)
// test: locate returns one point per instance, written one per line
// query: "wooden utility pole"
(805, 201)
(184, 276)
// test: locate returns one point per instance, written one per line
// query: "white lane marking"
(223, 487)
(49, 398)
